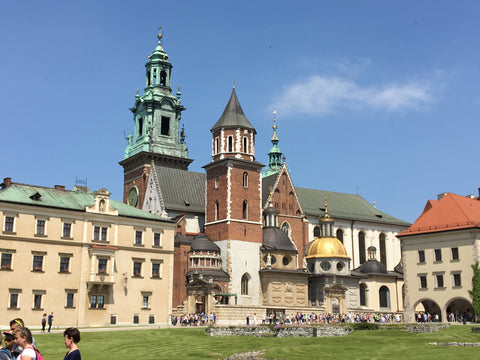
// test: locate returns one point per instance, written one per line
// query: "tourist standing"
(248, 319)
(50, 321)
(24, 340)
(5, 354)
(72, 338)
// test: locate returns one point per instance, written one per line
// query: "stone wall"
(284, 331)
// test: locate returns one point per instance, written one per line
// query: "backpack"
(39, 357)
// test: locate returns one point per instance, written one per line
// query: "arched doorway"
(458, 308)
(429, 307)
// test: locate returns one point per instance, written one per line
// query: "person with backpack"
(72, 338)
(24, 340)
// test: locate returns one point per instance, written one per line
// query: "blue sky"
(379, 98)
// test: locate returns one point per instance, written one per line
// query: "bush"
(365, 326)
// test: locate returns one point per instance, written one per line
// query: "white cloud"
(319, 95)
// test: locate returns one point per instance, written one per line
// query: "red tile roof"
(451, 212)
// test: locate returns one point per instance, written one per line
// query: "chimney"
(8, 181)
(60, 187)
(479, 193)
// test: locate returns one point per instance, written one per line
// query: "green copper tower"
(275, 160)
(157, 114)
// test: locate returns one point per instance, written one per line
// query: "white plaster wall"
(238, 258)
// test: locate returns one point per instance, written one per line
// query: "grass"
(181, 343)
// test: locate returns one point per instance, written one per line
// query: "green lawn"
(181, 343)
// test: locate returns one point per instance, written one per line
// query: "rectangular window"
(423, 282)
(230, 144)
(102, 266)
(457, 280)
(93, 301)
(37, 301)
(138, 237)
(9, 224)
(13, 301)
(137, 269)
(156, 270)
(165, 126)
(6, 261)
(37, 263)
(100, 303)
(421, 256)
(439, 281)
(455, 253)
(96, 301)
(64, 264)
(145, 302)
(438, 255)
(67, 230)
(216, 150)
(156, 240)
(100, 233)
(40, 227)
(69, 300)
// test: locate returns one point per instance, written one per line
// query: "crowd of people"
(19, 343)
(199, 319)
(333, 318)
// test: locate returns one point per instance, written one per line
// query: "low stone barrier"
(476, 329)
(283, 331)
(426, 328)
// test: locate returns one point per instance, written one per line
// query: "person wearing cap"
(10, 343)
(5, 354)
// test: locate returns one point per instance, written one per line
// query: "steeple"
(275, 155)
(157, 114)
(233, 116)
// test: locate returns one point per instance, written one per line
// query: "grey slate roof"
(182, 190)
(75, 200)
(267, 183)
(233, 116)
(275, 239)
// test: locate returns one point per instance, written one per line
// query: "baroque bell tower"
(157, 139)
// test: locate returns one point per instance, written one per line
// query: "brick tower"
(233, 201)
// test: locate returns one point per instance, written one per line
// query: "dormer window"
(36, 196)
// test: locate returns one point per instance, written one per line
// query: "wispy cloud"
(319, 95)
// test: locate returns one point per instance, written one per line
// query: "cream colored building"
(438, 251)
(90, 260)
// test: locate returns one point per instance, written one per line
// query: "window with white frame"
(439, 278)
(70, 298)
(67, 230)
(38, 299)
(157, 239)
(423, 281)
(6, 261)
(65, 263)
(100, 233)
(37, 262)
(455, 255)
(102, 265)
(97, 301)
(137, 268)
(438, 255)
(457, 279)
(157, 269)
(138, 237)
(14, 298)
(9, 224)
(41, 227)
(146, 299)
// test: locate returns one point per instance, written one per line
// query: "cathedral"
(247, 240)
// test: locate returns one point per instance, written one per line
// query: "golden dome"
(327, 247)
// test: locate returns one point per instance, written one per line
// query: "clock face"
(132, 196)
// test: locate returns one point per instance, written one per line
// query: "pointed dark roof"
(233, 116)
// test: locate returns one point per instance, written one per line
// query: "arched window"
(216, 211)
(340, 235)
(154, 76)
(361, 247)
(163, 78)
(216, 181)
(384, 294)
(230, 144)
(245, 180)
(286, 228)
(245, 279)
(383, 250)
(316, 231)
(217, 146)
(363, 295)
(245, 210)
